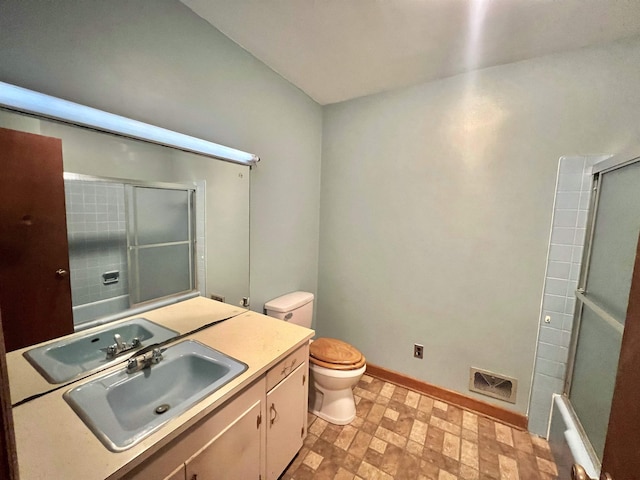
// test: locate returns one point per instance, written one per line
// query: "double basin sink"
(124, 406)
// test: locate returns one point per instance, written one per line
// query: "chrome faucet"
(144, 360)
(121, 346)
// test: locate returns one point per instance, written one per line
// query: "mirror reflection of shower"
(130, 242)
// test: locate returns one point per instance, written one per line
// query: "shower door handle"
(579, 473)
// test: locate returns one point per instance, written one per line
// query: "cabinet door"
(286, 412)
(232, 455)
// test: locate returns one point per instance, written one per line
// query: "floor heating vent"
(493, 385)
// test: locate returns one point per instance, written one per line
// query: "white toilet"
(334, 366)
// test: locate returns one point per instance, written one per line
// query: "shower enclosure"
(602, 376)
(130, 242)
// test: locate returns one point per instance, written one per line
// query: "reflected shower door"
(160, 238)
(602, 300)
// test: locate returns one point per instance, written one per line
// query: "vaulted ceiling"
(335, 50)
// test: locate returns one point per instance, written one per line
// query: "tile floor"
(400, 434)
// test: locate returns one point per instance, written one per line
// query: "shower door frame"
(622, 443)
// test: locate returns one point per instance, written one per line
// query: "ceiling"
(335, 50)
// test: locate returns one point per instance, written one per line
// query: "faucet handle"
(118, 339)
(132, 364)
(156, 355)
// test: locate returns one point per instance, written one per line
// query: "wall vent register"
(493, 385)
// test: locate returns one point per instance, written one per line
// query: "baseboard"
(511, 418)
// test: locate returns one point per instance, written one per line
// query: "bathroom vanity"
(251, 427)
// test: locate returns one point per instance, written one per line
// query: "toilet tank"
(294, 307)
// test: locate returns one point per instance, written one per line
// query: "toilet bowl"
(335, 367)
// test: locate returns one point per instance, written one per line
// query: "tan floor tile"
(361, 392)
(418, 432)
(444, 475)
(391, 437)
(412, 399)
(440, 405)
(356, 399)
(331, 433)
(435, 439)
(357, 422)
(469, 454)
(451, 446)
(317, 427)
(376, 413)
(310, 440)
(508, 468)
(469, 435)
(468, 473)
(343, 475)
(345, 437)
(399, 394)
(313, 460)
(363, 407)
(392, 414)
(360, 444)
(378, 445)
(503, 434)
(425, 404)
(387, 390)
(414, 448)
(372, 473)
(391, 460)
(546, 466)
(470, 421)
(352, 463)
(444, 425)
(522, 441)
(540, 442)
(399, 434)
(454, 415)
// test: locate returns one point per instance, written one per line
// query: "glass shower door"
(161, 245)
(602, 297)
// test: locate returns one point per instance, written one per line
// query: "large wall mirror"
(193, 210)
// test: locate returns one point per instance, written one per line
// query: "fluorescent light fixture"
(28, 101)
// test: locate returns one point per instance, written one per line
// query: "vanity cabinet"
(252, 436)
(286, 411)
(234, 453)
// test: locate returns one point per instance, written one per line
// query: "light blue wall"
(160, 63)
(436, 206)
(436, 201)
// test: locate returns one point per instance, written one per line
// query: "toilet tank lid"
(289, 302)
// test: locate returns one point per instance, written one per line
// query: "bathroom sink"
(70, 358)
(123, 408)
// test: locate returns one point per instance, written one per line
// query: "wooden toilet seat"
(335, 354)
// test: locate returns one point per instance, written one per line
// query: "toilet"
(335, 367)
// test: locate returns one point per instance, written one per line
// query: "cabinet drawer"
(286, 366)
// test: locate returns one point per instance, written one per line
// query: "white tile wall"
(573, 191)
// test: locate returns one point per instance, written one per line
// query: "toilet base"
(331, 393)
(337, 407)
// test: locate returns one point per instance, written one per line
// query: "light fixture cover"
(28, 101)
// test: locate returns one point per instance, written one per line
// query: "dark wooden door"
(35, 291)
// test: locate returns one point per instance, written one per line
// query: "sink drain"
(160, 409)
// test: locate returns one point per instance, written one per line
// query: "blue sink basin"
(123, 408)
(71, 358)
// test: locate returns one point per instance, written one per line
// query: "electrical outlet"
(418, 351)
